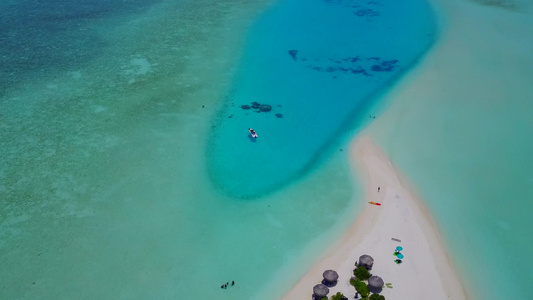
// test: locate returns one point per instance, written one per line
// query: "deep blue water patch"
(42, 37)
(319, 66)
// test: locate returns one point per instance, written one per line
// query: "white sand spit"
(426, 272)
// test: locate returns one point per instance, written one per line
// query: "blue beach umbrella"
(399, 248)
(400, 256)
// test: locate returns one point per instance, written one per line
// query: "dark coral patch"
(366, 13)
(354, 65)
(389, 62)
(359, 70)
(294, 54)
(258, 107)
(378, 68)
(279, 116)
(265, 108)
(386, 66)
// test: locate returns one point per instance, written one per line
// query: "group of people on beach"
(225, 286)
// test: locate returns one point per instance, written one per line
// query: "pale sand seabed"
(426, 271)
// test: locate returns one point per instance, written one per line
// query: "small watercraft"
(374, 203)
(252, 133)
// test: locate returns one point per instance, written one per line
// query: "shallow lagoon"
(320, 66)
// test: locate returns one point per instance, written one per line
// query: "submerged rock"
(279, 116)
(294, 54)
(366, 13)
(265, 108)
(378, 68)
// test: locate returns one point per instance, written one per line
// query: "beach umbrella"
(366, 261)
(400, 256)
(320, 290)
(399, 248)
(375, 284)
(330, 277)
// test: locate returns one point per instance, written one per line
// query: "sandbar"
(426, 271)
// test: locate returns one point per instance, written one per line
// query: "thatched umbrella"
(320, 290)
(366, 261)
(375, 284)
(330, 278)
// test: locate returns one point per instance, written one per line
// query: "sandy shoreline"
(426, 271)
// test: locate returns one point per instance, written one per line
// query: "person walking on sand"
(379, 188)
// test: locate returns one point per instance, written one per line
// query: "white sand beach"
(426, 271)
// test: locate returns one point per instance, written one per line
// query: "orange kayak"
(375, 203)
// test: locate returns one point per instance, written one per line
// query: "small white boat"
(252, 133)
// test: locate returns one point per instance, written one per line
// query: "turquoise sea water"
(319, 65)
(114, 122)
